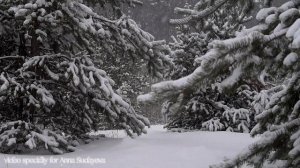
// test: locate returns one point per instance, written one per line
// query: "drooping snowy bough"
(268, 52)
(52, 88)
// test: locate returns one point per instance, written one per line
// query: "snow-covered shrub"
(213, 124)
(211, 110)
(20, 133)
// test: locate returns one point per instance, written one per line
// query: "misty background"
(154, 15)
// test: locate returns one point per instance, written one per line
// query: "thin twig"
(9, 57)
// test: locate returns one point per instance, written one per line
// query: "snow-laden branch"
(195, 15)
(209, 62)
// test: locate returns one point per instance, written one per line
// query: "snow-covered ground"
(158, 149)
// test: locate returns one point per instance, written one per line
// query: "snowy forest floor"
(158, 149)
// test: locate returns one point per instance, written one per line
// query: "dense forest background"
(154, 15)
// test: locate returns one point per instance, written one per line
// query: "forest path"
(158, 149)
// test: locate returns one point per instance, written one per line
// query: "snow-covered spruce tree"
(52, 91)
(268, 50)
(205, 107)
